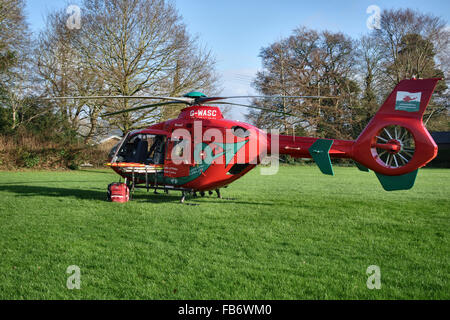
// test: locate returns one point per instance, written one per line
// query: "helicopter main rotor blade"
(186, 100)
(154, 105)
(255, 107)
(178, 99)
(208, 99)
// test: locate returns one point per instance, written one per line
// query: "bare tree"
(443, 52)
(124, 47)
(397, 28)
(312, 64)
(13, 33)
(273, 80)
(141, 47)
(369, 58)
(14, 59)
(63, 72)
(411, 43)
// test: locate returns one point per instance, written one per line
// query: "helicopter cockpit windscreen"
(141, 148)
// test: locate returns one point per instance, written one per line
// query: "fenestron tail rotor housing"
(394, 146)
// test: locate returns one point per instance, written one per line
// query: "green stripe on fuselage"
(230, 150)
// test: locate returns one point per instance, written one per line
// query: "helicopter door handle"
(292, 148)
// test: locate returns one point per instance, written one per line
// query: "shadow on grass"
(100, 195)
(27, 191)
(22, 183)
(84, 194)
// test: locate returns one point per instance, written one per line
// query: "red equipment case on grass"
(118, 192)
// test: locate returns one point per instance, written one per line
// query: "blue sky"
(236, 30)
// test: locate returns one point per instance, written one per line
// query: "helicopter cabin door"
(178, 157)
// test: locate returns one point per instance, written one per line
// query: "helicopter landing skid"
(184, 192)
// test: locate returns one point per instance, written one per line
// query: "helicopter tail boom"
(394, 144)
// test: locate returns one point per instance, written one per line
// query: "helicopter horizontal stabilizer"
(320, 153)
(393, 183)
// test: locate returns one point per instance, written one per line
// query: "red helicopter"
(200, 151)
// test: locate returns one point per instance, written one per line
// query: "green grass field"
(295, 235)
